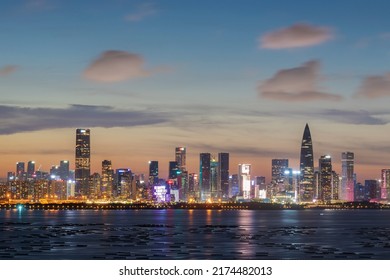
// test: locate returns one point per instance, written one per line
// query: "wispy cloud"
(8, 69)
(115, 66)
(296, 84)
(375, 87)
(352, 117)
(39, 5)
(15, 119)
(296, 36)
(143, 11)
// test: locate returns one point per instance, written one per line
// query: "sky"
(242, 77)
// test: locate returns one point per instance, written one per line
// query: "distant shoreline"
(191, 206)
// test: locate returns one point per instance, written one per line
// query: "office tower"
(205, 176)
(373, 189)
(180, 158)
(223, 175)
(385, 186)
(173, 170)
(347, 180)
(193, 187)
(153, 172)
(94, 185)
(325, 171)
(215, 193)
(124, 179)
(54, 172)
(307, 167)
(335, 185)
(244, 177)
(261, 186)
(82, 162)
(279, 166)
(234, 185)
(64, 170)
(20, 171)
(30, 169)
(107, 179)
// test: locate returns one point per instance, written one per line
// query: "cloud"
(296, 36)
(296, 84)
(115, 66)
(143, 11)
(375, 87)
(8, 69)
(39, 5)
(360, 117)
(15, 119)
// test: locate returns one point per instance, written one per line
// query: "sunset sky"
(242, 77)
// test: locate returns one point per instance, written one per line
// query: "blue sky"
(237, 76)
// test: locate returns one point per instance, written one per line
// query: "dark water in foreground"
(194, 234)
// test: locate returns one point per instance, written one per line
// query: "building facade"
(307, 188)
(82, 162)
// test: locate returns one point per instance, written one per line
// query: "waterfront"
(194, 234)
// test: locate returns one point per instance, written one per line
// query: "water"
(194, 234)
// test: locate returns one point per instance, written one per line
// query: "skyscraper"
(385, 185)
(205, 176)
(107, 179)
(173, 170)
(20, 173)
(307, 167)
(82, 162)
(223, 175)
(30, 169)
(279, 166)
(325, 180)
(347, 180)
(180, 157)
(153, 172)
(244, 179)
(64, 170)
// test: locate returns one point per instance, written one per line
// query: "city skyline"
(237, 77)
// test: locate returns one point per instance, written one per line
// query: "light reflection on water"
(194, 234)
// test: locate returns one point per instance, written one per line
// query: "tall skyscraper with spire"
(82, 162)
(307, 167)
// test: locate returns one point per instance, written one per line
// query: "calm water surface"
(194, 234)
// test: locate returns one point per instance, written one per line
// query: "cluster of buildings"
(213, 183)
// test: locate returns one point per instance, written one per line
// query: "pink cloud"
(296, 84)
(115, 66)
(296, 36)
(375, 87)
(8, 69)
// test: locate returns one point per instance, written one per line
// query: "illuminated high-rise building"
(307, 167)
(244, 179)
(279, 168)
(347, 179)
(223, 175)
(205, 176)
(174, 170)
(180, 157)
(64, 170)
(20, 172)
(153, 172)
(193, 186)
(124, 180)
(82, 162)
(30, 169)
(215, 193)
(385, 184)
(325, 180)
(107, 179)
